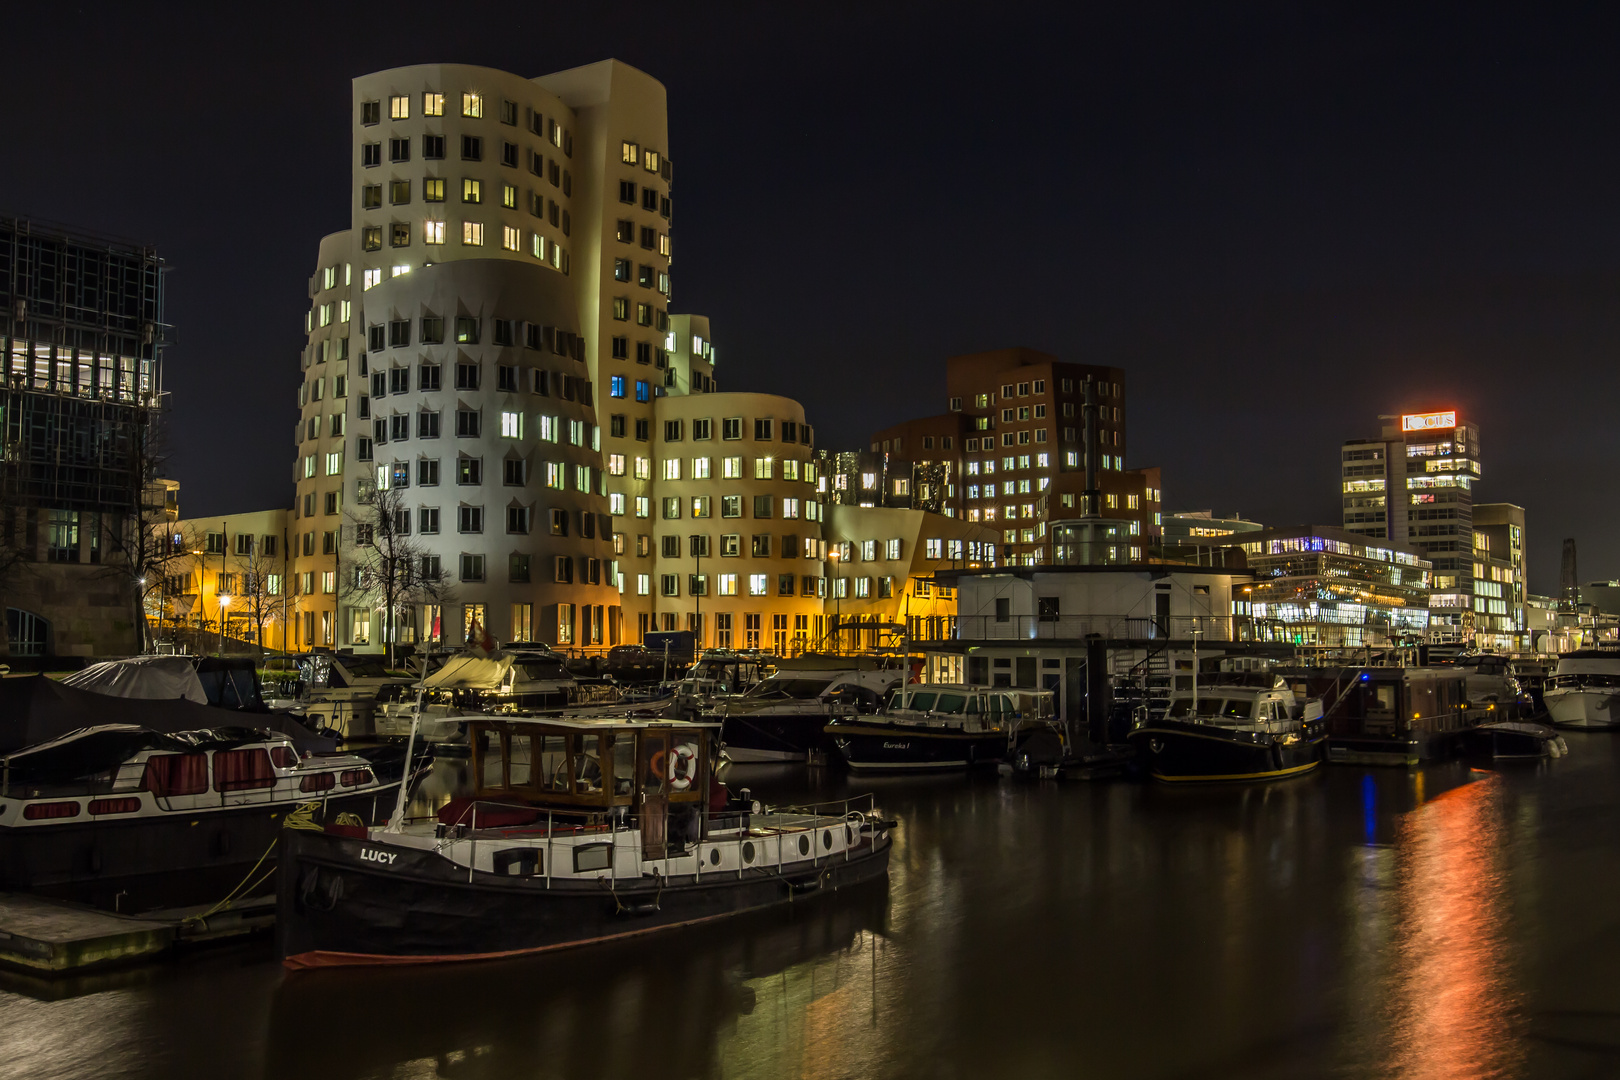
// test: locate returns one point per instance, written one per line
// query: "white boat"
(1584, 690)
(470, 684)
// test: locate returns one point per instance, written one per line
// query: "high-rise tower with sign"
(1413, 487)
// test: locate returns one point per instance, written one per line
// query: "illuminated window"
(432, 104)
(672, 468)
(511, 238)
(472, 233)
(399, 108)
(615, 464)
(763, 468)
(630, 152)
(511, 425)
(433, 232)
(371, 277)
(731, 468)
(433, 190)
(472, 191)
(472, 105)
(397, 269)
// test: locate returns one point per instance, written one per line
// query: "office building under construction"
(81, 336)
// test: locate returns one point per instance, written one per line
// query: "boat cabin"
(591, 764)
(1253, 703)
(986, 706)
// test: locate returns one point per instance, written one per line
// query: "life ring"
(655, 765)
(683, 766)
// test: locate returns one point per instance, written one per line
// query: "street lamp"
(224, 602)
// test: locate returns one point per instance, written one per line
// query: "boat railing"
(855, 810)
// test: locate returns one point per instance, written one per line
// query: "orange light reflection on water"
(1450, 1009)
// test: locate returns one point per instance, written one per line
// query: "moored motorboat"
(127, 818)
(577, 831)
(1246, 728)
(1514, 739)
(938, 726)
(1584, 689)
(785, 717)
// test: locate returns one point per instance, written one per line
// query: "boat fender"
(682, 766)
(320, 892)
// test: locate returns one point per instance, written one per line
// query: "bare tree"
(142, 545)
(389, 571)
(260, 586)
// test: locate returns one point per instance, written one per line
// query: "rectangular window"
(470, 519)
(472, 567)
(427, 519)
(432, 104)
(764, 467)
(472, 233)
(762, 506)
(472, 105)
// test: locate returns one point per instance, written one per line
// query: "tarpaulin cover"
(34, 709)
(92, 751)
(154, 677)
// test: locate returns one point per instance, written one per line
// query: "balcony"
(1107, 627)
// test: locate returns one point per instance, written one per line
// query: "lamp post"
(224, 602)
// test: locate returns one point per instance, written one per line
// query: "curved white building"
(505, 275)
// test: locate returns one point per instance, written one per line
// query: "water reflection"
(656, 1006)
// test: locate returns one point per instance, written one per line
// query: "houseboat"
(1243, 727)
(1584, 689)
(471, 684)
(785, 717)
(128, 818)
(939, 726)
(1392, 715)
(577, 831)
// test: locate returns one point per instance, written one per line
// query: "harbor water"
(1448, 921)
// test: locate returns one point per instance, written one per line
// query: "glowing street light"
(224, 602)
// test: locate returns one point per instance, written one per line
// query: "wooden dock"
(50, 937)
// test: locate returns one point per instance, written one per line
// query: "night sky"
(1281, 222)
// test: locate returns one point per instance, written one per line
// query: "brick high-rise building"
(1013, 442)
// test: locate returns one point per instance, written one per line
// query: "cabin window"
(654, 762)
(551, 764)
(588, 767)
(323, 781)
(923, 702)
(243, 770)
(623, 749)
(518, 862)
(518, 758)
(1238, 709)
(168, 775)
(589, 857)
(951, 703)
(285, 757)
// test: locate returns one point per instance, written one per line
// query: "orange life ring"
(655, 765)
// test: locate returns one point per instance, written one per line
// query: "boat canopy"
(149, 677)
(36, 709)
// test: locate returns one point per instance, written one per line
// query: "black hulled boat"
(1246, 728)
(938, 727)
(578, 831)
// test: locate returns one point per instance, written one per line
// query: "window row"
(468, 329)
(648, 277)
(672, 507)
(510, 379)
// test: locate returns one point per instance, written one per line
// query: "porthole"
(748, 852)
(804, 844)
(826, 839)
(714, 856)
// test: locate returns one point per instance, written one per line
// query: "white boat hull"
(1583, 708)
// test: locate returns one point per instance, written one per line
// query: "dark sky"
(1282, 220)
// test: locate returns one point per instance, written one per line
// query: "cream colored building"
(237, 569)
(489, 343)
(734, 522)
(882, 562)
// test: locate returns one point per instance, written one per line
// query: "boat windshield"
(1238, 708)
(798, 689)
(922, 702)
(951, 703)
(543, 670)
(364, 668)
(1181, 707)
